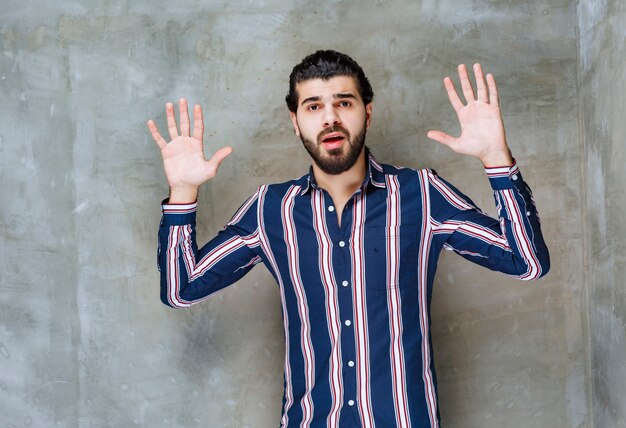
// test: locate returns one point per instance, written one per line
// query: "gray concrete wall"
(84, 340)
(601, 99)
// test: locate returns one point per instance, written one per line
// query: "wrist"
(183, 195)
(497, 159)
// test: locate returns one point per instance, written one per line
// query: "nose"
(331, 117)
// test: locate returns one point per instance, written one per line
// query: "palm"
(184, 162)
(482, 130)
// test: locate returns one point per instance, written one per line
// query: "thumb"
(441, 137)
(218, 157)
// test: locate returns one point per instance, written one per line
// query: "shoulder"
(280, 189)
(403, 173)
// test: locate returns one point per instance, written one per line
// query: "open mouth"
(333, 139)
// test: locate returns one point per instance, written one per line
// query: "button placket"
(342, 269)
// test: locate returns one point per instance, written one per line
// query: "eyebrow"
(340, 95)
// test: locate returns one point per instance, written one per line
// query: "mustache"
(334, 128)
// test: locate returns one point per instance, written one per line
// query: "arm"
(189, 275)
(513, 244)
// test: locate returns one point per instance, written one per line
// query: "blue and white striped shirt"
(355, 298)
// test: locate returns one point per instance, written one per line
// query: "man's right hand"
(183, 158)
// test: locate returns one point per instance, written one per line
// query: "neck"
(346, 183)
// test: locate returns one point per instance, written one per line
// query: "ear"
(294, 121)
(368, 115)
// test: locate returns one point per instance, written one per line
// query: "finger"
(456, 102)
(441, 137)
(171, 120)
(481, 88)
(184, 117)
(158, 139)
(493, 90)
(468, 91)
(198, 123)
(218, 157)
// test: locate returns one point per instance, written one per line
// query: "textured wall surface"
(84, 340)
(602, 106)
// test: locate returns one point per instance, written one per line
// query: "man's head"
(325, 64)
(330, 106)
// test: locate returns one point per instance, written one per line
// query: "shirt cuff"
(178, 214)
(505, 177)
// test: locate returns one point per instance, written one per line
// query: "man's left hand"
(482, 129)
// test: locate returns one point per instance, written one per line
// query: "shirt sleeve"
(189, 275)
(512, 244)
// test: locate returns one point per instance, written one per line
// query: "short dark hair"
(325, 64)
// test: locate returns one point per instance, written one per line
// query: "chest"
(375, 233)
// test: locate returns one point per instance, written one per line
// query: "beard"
(337, 160)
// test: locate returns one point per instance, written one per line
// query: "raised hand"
(482, 129)
(183, 157)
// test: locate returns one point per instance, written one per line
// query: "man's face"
(331, 120)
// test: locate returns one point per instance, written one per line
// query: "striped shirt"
(356, 297)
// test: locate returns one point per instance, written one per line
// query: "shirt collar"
(374, 175)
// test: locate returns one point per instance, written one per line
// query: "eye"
(345, 104)
(313, 107)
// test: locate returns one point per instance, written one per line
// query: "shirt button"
(331, 208)
(344, 283)
(350, 402)
(348, 323)
(342, 244)
(514, 177)
(351, 363)
(527, 213)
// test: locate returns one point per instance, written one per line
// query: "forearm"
(519, 220)
(176, 241)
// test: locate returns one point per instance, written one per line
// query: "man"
(353, 244)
